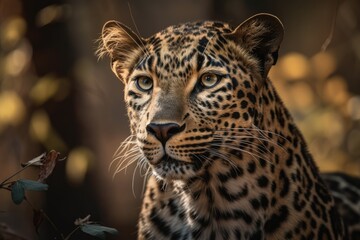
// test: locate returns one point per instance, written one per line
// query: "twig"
(331, 34)
(48, 219)
(72, 232)
(13, 175)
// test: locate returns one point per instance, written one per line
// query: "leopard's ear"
(122, 45)
(261, 35)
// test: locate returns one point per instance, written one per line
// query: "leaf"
(19, 187)
(83, 221)
(46, 161)
(98, 230)
(48, 165)
(32, 185)
(17, 192)
(37, 161)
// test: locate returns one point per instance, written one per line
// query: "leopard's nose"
(164, 131)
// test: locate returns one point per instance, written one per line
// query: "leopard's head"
(191, 85)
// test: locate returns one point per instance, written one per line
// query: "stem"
(13, 175)
(53, 225)
(6, 188)
(14, 236)
(48, 219)
(72, 232)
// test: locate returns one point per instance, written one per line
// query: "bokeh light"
(44, 89)
(77, 165)
(294, 66)
(12, 109)
(11, 32)
(323, 64)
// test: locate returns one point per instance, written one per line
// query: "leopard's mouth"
(169, 159)
(177, 162)
(171, 168)
(165, 159)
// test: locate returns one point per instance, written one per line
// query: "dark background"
(55, 94)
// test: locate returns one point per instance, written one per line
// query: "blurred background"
(55, 94)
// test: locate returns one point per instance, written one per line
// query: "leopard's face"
(190, 91)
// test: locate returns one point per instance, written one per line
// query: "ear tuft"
(117, 38)
(261, 35)
(121, 44)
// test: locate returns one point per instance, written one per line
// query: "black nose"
(164, 131)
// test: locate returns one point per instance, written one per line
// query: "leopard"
(224, 157)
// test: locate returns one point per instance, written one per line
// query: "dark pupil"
(146, 81)
(209, 78)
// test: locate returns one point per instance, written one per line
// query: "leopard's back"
(345, 190)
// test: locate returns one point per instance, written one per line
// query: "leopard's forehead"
(196, 28)
(182, 36)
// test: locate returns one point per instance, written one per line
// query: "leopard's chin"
(169, 168)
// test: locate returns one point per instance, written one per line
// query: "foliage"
(46, 163)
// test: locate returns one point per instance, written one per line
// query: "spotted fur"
(226, 158)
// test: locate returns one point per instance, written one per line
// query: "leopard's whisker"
(255, 156)
(243, 139)
(126, 150)
(127, 153)
(133, 158)
(143, 166)
(222, 156)
(252, 136)
(259, 153)
(125, 142)
(137, 30)
(133, 180)
(207, 44)
(253, 128)
(124, 147)
(146, 175)
(121, 159)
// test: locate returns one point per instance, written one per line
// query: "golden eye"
(144, 83)
(209, 80)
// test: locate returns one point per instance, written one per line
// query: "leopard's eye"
(144, 83)
(209, 80)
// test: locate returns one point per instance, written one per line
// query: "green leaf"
(19, 187)
(98, 230)
(33, 185)
(17, 192)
